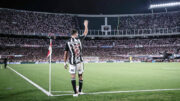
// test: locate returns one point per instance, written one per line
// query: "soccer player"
(73, 48)
(5, 63)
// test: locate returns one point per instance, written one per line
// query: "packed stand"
(150, 21)
(27, 22)
(35, 49)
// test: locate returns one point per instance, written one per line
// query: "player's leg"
(73, 82)
(5, 66)
(80, 75)
(72, 70)
(80, 82)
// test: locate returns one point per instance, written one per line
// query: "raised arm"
(85, 27)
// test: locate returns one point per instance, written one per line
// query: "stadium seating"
(35, 49)
(150, 21)
(27, 23)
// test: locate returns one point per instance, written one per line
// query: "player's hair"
(74, 31)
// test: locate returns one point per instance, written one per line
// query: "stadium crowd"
(35, 49)
(30, 23)
(27, 22)
(150, 21)
(91, 42)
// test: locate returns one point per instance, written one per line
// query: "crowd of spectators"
(128, 42)
(27, 22)
(35, 49)
(150, 21)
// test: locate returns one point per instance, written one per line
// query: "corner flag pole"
(50, 67)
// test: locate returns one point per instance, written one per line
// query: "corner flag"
(50, 49)
(49, 55)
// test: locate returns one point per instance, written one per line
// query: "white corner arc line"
(31, 82)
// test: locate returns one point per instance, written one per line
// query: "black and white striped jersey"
(74, 48)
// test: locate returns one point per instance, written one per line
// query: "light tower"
(164, 5)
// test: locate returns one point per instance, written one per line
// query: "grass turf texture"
(97, 78)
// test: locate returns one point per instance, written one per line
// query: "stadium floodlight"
(164, 5)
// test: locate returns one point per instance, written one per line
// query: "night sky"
(80, 6)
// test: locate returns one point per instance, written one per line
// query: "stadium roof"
(82, 6)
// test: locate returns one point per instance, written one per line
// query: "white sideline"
(129, 91)
(63, 91)
(153, 90)
(31, 82)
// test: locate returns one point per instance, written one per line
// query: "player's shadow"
(7, 96)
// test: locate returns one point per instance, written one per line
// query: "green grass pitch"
(98, 77)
